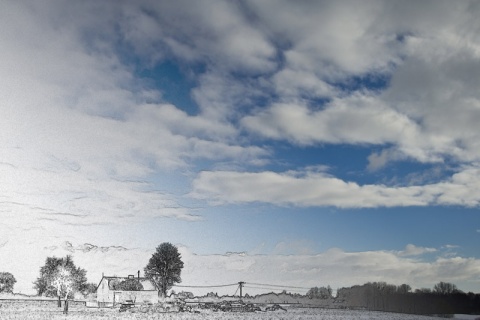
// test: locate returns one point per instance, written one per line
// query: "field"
(48, 310)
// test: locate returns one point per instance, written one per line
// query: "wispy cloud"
(413, 250)
(319, 189)
(294, 247)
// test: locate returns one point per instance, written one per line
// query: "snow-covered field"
(467, 317)
(48, 310)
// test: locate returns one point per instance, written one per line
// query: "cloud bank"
(78, 121)
(334, 267)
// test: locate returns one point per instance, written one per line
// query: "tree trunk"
(65, 307)
(59, 302)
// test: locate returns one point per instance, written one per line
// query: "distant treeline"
(445, 298)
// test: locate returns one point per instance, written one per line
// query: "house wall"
(137, 296)
(103, 291)
(107, 297)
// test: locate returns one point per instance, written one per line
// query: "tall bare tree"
(45, 283)
(64, 282)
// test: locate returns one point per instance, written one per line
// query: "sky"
(294, 143)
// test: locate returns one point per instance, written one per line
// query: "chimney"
(138, 274)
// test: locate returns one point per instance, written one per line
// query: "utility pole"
(240, 284)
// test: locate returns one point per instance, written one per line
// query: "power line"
(248, 284)
(216, 286)
(266, 288)
(269, 288)
(277, 286)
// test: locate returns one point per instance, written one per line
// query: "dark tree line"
(445, 298)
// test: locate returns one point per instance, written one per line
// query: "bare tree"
(404, 288)
(43, 284)
(64, 282)
(445, 288)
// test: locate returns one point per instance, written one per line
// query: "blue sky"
(309, 138)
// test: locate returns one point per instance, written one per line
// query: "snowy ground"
(467, 317)
(48, 310)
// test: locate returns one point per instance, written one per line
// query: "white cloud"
(300, 83)
(450, 246)
(329, 38)
(319, 189)
(320, 45)
(79, 136)
(436, 88)
(207, 31)
(333, 267)
(359, 119)
(378, 160)
(428, 112)
(223, 97)
(413, 250)
(299, 189)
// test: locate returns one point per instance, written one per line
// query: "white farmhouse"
(109, 295)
